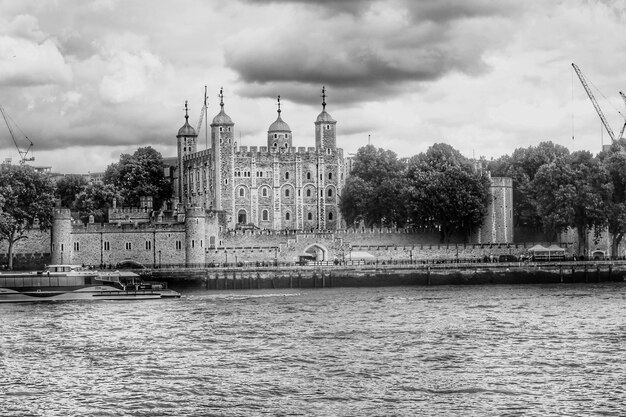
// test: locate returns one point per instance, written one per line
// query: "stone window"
(275, 137)
(328, 151)
(287, 192)
(308, 175)
(237, 173)
(309, 216)
(330, 175)
(242, 192)
(264, 192)
(128, 246)
(287, 216)
(265, 215)
(106, 246)
(330, 192)
(330, 215)
(77, 246)
(308, 192)
(286, 145)
(287, 175)
(148, 245)
(225, 181)
(275, 144)
(179, 245)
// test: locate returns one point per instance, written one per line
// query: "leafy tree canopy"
(446, 192)
(26, 196)
(140, 174)
(374, 188)
(568, 192)
(96, 199)
(68, 188)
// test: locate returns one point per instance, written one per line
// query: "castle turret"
(61, 236)
(223, 143)
(195, 221)
(325, 128)
(279, 134)
(187, 142)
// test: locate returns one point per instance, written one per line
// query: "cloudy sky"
(89, 80)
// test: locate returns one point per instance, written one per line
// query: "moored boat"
(73, 282)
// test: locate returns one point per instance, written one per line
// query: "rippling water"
(450, 351)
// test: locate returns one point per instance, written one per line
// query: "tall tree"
(374, 189)
(566, 194)
(446, 192)
(613, 162)
(96, 199)
(26, 197)
(68, 188)
(140, 174)
(522, 166)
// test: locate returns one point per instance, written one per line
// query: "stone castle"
(234, 204)
(275, 187)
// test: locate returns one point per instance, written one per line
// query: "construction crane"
(23, 153)
(621, 134)
(202, 116)
(594, 102)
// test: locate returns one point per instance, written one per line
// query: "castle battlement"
(125, 227)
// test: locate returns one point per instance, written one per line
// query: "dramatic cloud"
(87, 81)
(381, 49)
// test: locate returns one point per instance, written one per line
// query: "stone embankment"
(326, 276)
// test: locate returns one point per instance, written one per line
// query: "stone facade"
(498, 224)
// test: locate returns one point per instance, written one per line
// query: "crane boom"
(202, 115)
(23, 154)
(581, 77)
(621, 133)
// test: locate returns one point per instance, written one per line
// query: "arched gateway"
(315, 253)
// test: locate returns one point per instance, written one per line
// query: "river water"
(401, 351)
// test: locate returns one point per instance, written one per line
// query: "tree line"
(27, 196)
(553, 190)
(439, 189)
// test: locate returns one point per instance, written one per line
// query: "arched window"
(242, 192)
(286, 144)
(308, 192)
(275, 144)
(287, 192)
(330, 175)
(330, 192)
(265, 215)
(264, 192)
(309, 216)
(308, 175)
(287, 216)
(330, 215)
(275, 136)
(287, 175)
